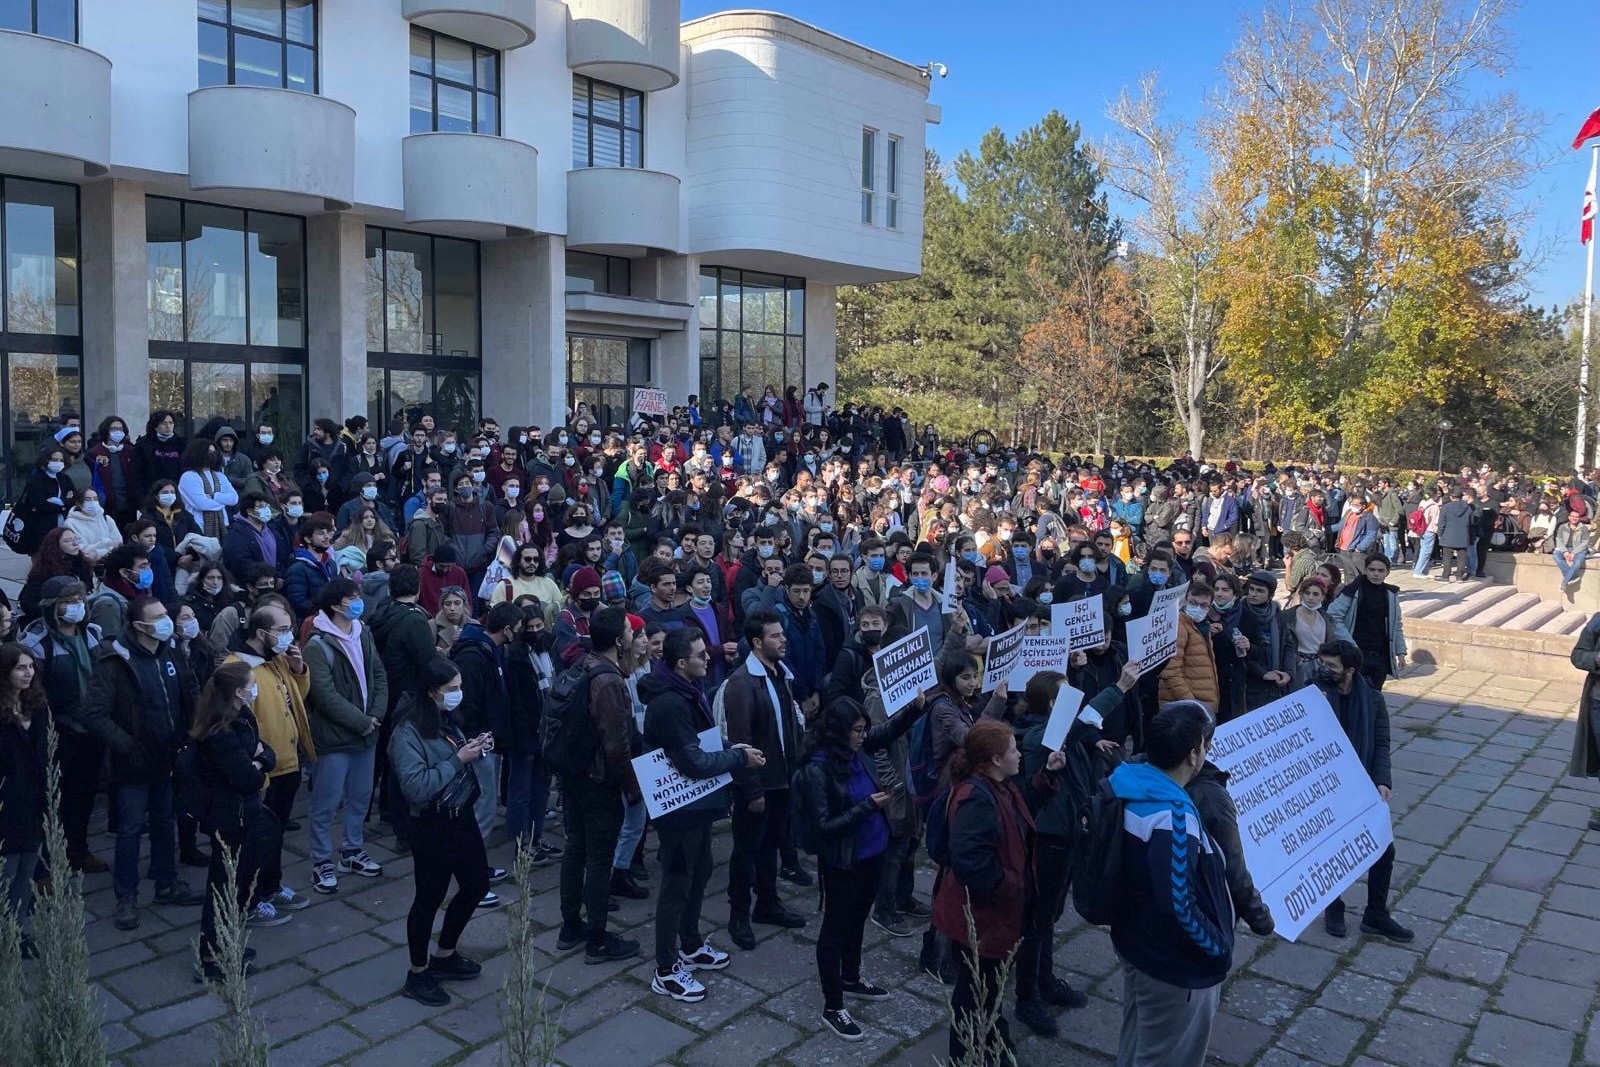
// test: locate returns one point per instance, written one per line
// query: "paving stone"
(1389, 962)
(1270, 1003)
(298, 1011)
(1357, 996)
(1430, 904)
(1548, 837)
(420, 1047)
(372, 979)
(1577, 900)
(1454, 875)
(1543, 959)
(1236, 1040)
(191, 1047)
(631, 1036)
(1472, 962)
(1510, 1042)
(1417, 1040)
(1552, 1002)
(389, 1016)
(747, 1040)
(329, 1044)
(199, 1008)
(117, 1038)
(624, 991)
(1524, 869)
(1323, 1036)
(1477, 930)
(1502, 902)
(1444, 998)
(1564, 929)
(471, 1022)
(1297, 964)
(1479, 843)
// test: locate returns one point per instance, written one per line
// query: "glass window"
(168, 391)
(590, 272)
(422, 294)
(408, 318)
(257, 42)
(220, 275)
(455, 86)
(607, 124)
(891, 187)
(455, 398)
(44, 389)
(216, 390)
(869, 153)
(214, 274)
(708, 301)
(278, 398)
(375, 292)
(752, 332)
(163, 243)
(41, 265)
(277, 286)
(47, 18)
(451, 396)
(455, 298)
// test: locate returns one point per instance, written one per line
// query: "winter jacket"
(822, 801)
(1364, 716)
(611, 712)
(1060, 811)
(338, 715)
(850, 666)
(526, 684)
(66, 682)
(140, 704)
(404, 637)
(155, 459)
(1209, 791)
(807, 655)
(280, 715)
(753, 719)
(1265, 657)
(1455, 524)
(949, 719)
(42, 507)
(1345, 612)
(422, 766)
(23, 758)
(836, 613)
(990, 832)
(483, 682)
(1585, 656)
(225, 763)
(1191, 674)
(1178, 923)
(305, 578)
(240, 547)
(675, 715)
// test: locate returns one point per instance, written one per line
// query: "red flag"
(1591, 128)
(1586, 231)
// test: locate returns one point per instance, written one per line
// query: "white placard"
(1069, 702)
(1000, 652)
(1045, 652)
(1153, 639)
(665, 789)
(650, 402)
(1084, 621)
(1310, 819)
(905, 669)
(947, 595)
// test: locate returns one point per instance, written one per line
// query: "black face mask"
(543, 641)
(589, 607)
(871, 638)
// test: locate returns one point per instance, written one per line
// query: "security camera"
(929, 70)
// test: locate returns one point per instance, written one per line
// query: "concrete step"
(1567, 624)
(1509, 608)
(1541, 612)
(1477, 600)
(1423, 603)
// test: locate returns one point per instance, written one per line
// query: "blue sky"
(1011, 62)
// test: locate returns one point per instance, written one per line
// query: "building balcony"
(625, 42)
(623, 211)
(501, 24)
(470, 178)
(291, 150)
(58, 108)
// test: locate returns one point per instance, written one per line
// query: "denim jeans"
(1425, 554)
(1391, 545)
(346, 777)
(487, 768)
(135, 803)
(1569, 571)
(895, 880)
(633, 820)
(17, 871)
(527, 796)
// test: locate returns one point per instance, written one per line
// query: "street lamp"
(1445, 426)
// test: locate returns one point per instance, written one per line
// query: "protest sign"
(1083, 621)
(650, 402)
(947, 595)
(999, 653)
(1153, 639)
(905, 669)
(1045, 652)
(1068, 703)
(665, 789)
(1310, 819)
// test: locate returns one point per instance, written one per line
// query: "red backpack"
(1418, 523)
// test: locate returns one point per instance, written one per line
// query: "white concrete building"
(277, 210)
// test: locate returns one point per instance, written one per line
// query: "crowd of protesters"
(386, 620)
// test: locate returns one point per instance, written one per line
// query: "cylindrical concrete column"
(116, 326)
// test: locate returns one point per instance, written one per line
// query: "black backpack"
(567, 737)
(190, 795)
(936, 834)
(1100, 890)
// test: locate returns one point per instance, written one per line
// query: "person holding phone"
(429, 752)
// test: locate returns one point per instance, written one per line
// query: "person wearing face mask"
(96, 531)
(311, 566)
(872, 579)
(127, 576)
(1083, 577)
(471, 528)
(46, 499)
(64, 644)
(440, 571)
(1364, 717)
(206, 493)
(367, 493)
(266, 647)
(159, 452)
(323, 444)
(110, 457)
(141, 698)
(1191, 673)
(258, 535)
(1307, 628)
(1157, 575)
(572, 621)
(1229, 646)
(837, 604)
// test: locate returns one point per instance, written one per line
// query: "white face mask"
(451, 700)
(281, 643)
(189, 629)
(294, 511)
(55, 466)
(166, 500)
(370, 492)
(264, 438)
(73, 613)
(118, 436)
(251, 693)
(513, 491)
(264, 514)
(91, 507)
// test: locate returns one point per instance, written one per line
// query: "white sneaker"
(324, 879)
(264, 914)
(360, 863)
(490, 899)
(679, 985)
(704, 958)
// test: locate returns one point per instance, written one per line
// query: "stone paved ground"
(1496, 874)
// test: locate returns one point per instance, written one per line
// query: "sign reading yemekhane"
(665, 789)
(1310, 819)
(905, 669)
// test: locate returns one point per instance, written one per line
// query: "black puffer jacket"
(823, 808)
(22, 786)
(1209, 791)
(525, 703)
(233, 782)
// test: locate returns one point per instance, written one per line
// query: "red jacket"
(433, 585)
(989, 863)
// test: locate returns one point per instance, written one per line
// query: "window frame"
(728, 340)
(76, 7)
(409, 360)
(612, 265)
(283, 42)
(474, 91)
(626, 387)
(620, 125)
(891, 183)
(869, 173)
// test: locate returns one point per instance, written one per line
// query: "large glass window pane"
(213, 54)
(452, 60)
(41, 223)
(639, 362)
(421, 104)
(421, 51)
(598, 360)
(633, 110)
(16, 15)
(456, 297)
(408, 293)
(763, 303)
(302, 21)
(167, 390)
(215, 274)
(278, 393)
(632, 149)
(708, 299)
(709, 386)
(58, 19)
(731, 383)
(488, 114)
(257, 62)
(375, 291)
(794, 361)
(45, 389)
(455, 109)
(580, 95)
(302, 69)
(607, 146)
(607, 102)
(580, 143)
(212, 9)
(410, 393)
(216, 390)
(729, 288)
(489, 71)
(163, 236)
(276, 247)
(263, 16)
(455, 401)
(377, 415)
(586, 272)
(797, 306)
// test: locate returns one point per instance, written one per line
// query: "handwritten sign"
(650, 402)
(1045, 652)
(1310, 819)
(1000, 652)
(905, 669)
(665, 789)
(1062, 713)
(1081, 621)
(1153, 639)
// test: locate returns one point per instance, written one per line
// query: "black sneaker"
(891, 924)
(1036, 1016)
(178, 895)
(740, 934)
(193, 857)
(611, 949)
(1056, 991)
(1382, 924)
(797, 874)
(1594, 821)
(1333, 924)
(498, 875)
(567, 940)
(211, 971)
(778, 916)
(547, 850)
(424, 988)
(842, 1025)
(863, 990)
(623, 886)
(914, 908)
(453, 968)
(638, 871)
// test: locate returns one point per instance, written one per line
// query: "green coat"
(338, 719)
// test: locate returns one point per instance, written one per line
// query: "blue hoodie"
(1179, 929)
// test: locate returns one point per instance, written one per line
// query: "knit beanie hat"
(612, 587)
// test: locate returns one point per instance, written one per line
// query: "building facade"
(271, 211)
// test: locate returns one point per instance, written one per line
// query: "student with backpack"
(839, 818)
(986, 866)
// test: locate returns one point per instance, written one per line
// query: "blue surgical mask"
(975, 558)
(322, 476)
(1158, 579)
(875, 563)
(921, 584)
(146, 579)
(1019, 552)
(353, 612)
(369, 492)
(1087, 566)
(1125, 609)
(1047, 597)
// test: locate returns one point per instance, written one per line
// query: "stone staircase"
(1519, 621)
(1485, 603)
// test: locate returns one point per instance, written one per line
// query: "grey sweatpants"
(1164, 1025)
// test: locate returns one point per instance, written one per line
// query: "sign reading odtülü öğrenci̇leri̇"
(1310, 819)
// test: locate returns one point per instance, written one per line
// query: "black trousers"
(753, 865)
(80, 756)
(443, 849)
(685, 855)
(847, 898)
(1053, 872)
(260, 837)
(897, 878)
(279, 800)
(593, 814)
(1379, 877)
(970, 988)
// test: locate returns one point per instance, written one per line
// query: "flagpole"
(1583, 359)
